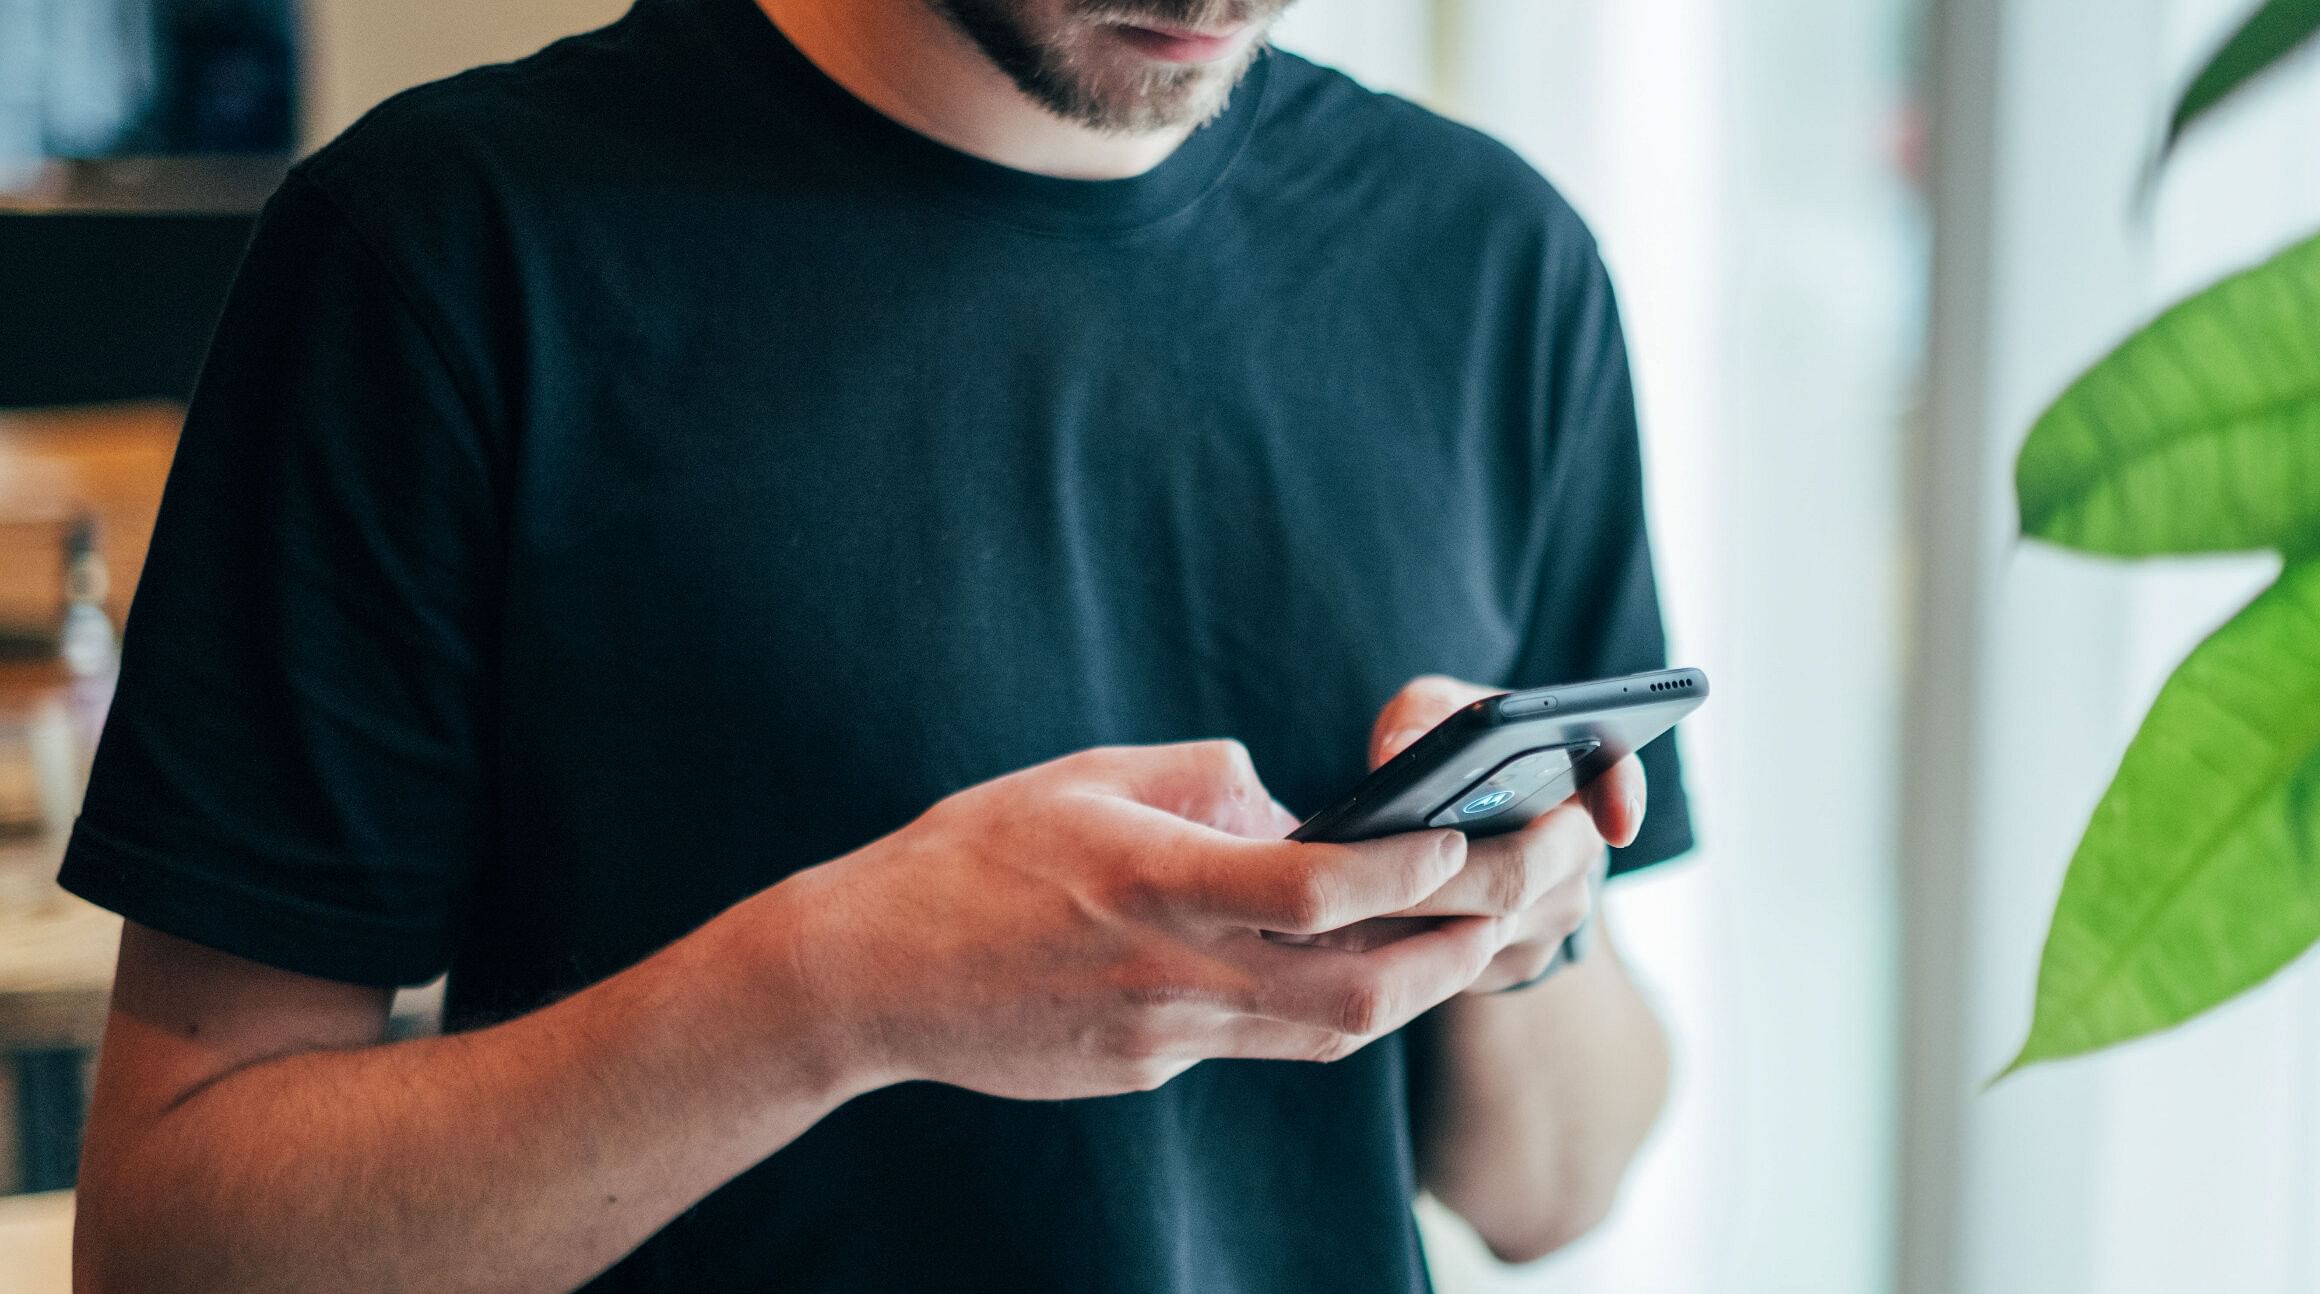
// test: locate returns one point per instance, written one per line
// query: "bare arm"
(1540, 1100)
(248, 1132)
(1091, 926)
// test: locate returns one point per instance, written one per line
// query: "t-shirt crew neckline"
(1026, 199)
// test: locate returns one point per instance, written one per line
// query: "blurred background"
(1860, 243)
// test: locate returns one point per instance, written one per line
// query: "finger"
(1366, 994)
(1254, 1037)
(1300, 888)
(1523, 962)
(1362, 936)
(1616, 801)
(1422, 703)
(1507, 874)
(1213, 783)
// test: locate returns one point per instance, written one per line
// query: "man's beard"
(1069, 73)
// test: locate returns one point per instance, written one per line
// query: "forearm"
(1540, 1100)
(529, 1155)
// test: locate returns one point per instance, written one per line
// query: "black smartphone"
(1502, 761)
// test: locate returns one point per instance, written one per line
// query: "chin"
(1132, 98)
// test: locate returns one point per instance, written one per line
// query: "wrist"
(804, 984)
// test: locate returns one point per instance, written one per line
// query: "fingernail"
(1401, 739)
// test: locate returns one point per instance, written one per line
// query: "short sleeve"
(294, 768)
(1596, 611)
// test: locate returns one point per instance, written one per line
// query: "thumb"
(1422, 703)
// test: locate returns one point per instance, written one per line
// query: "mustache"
(1194, 15)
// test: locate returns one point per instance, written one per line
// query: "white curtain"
(1742, 167)
(2187, 1162)
(1914, 712)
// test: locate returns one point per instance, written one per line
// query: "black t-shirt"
(629, 475)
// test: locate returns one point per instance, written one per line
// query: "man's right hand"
(1090, 926)
(1097, 924)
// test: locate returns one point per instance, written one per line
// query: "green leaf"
(2275, 29)
(2201, 433)
(2199, 875)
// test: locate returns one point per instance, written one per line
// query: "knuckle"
(1140, 886)
(1530, 962)
(1305, 901)
(958, 805)
(1483, 949)
(1096, 763)
(1449, 856)
(1230, 761)
(1511, 887)
(1362, 1009)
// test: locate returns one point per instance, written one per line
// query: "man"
(727, 535)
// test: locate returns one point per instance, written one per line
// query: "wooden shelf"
(111, 460)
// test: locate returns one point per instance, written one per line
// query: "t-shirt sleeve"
(294, 766)
(1596, 611)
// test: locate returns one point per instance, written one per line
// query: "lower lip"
(1181, 47)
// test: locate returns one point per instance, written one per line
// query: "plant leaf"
(2275, 29)
(2199, 875)
(2200, 433)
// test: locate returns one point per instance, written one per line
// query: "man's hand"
(1097, 924)
(1535, 878)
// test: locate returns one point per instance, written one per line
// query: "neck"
(905, 60)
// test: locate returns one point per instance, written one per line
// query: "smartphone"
(1504, 760)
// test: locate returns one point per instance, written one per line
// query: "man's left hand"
(1536, 878)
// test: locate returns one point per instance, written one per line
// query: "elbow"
(1542, 1232)
(1541, 1214)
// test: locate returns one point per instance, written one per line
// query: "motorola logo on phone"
(1518, 781)
(1487, 802)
